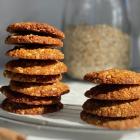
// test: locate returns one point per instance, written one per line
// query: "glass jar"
(97, 36)
(133, 12)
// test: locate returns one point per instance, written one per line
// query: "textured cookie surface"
(114, 92)
(30, 109)
(112, 108)
(35, 27)
(113, 76)
(36, 53)
(112, 123)
(33, 78)
(33, 39)
(30, 100)
(39, 67)
(39, 90)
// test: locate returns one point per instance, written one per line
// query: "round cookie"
(35, 27)
(104, 108)
(39, 90)
(112, 123)
(36, 67)
(114, 92)
(113, 76)
(30, 109)
(33, 78)
(29, 100)
(33, 39)
(9, 134)
(36, 53)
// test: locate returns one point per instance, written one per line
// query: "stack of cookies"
(115, 102)
(35, 86)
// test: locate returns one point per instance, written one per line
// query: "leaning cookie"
(33, 39)
(36, 67)
(26, 99)
(112, 123)
(113, 76)
(36, 28)
(30, 109)
(39, 90)
(35, 53)
(32, 78)
(112, 108)
(114, 92)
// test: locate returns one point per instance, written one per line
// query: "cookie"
(9, 134)
(29, 100)
(36, 53)
(112, 123)
(30, 109)
(112, 108)
(33, 39)
(113, 76)
(36, 67)
(35, 28)
(33, 78)
(34, 46)
(114, 92)
(39, 90)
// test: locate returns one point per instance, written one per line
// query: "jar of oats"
(97, 36)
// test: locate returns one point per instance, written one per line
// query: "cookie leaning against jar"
(115, 102)
(35, 86)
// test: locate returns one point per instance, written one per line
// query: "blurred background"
(73, 16)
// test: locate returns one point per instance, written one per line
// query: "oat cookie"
(36, 67)
(35, 27)
(29, 100)
(39, 90)
(9, 134)
(33, 39)
(112, 123)
(104, 108)
(33, 78)
(113, 76)
(36, 53)
(30, 109)
(114, 92)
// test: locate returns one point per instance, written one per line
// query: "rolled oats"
(93, 48)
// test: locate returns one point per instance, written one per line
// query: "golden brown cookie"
(30, 109)
(29, 100)
(33, 78)
(36, 53)
(114, 92)
(33, 39)
(9, 134)
(36, 28)
(36, 67)
(113, 76)
(105, 108)
(112, 123)
(39, 90)
(34, 46)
